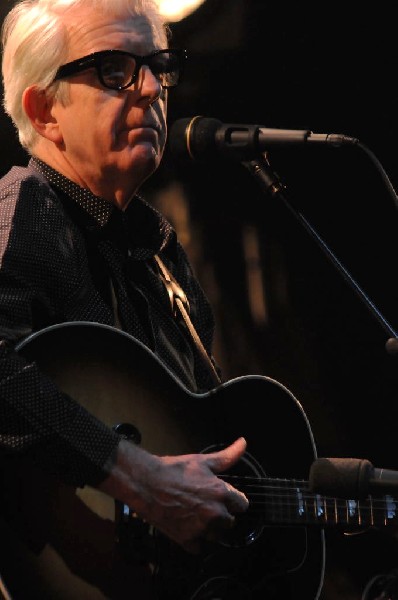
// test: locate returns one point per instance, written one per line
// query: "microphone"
(351, 478)
(197, 137)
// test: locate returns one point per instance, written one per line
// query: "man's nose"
(148, 84)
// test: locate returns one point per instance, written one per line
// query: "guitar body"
(61, 543)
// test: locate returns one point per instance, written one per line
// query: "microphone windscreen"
(193, 137)
(341, 477)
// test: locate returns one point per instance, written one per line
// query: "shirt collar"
(98, 208)
(148, 231)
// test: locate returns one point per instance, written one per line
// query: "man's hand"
(179, 495)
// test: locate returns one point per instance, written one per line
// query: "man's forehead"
(101, 32)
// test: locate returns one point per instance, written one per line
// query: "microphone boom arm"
(270, 182)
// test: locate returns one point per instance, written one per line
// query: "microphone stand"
(261, 170)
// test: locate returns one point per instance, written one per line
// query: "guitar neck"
(291, 502)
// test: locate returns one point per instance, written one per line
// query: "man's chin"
(145, 157)
(142, 161)
(146, 150)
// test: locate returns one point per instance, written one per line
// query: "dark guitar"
(61, 543)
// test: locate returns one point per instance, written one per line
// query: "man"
(85, 83)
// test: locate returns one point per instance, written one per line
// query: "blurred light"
(176, 10)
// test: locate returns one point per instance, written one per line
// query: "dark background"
(255, 62)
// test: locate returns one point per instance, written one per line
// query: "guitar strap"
(114, 306)
(180, 307)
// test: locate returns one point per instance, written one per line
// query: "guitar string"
(294, 497)
(323, 510)
(279, 484)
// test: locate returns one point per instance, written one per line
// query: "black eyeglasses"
(118, 70)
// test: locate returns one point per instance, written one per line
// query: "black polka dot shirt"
(60, 247)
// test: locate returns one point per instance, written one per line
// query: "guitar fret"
(342, 512)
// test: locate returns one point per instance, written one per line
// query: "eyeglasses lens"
(165, 67)
(118, 71)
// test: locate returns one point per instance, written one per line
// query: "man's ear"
(39, 108)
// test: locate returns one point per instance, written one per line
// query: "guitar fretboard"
(290, 501)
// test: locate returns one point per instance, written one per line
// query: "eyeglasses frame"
(94, 60)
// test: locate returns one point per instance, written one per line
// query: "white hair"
(35, 45)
